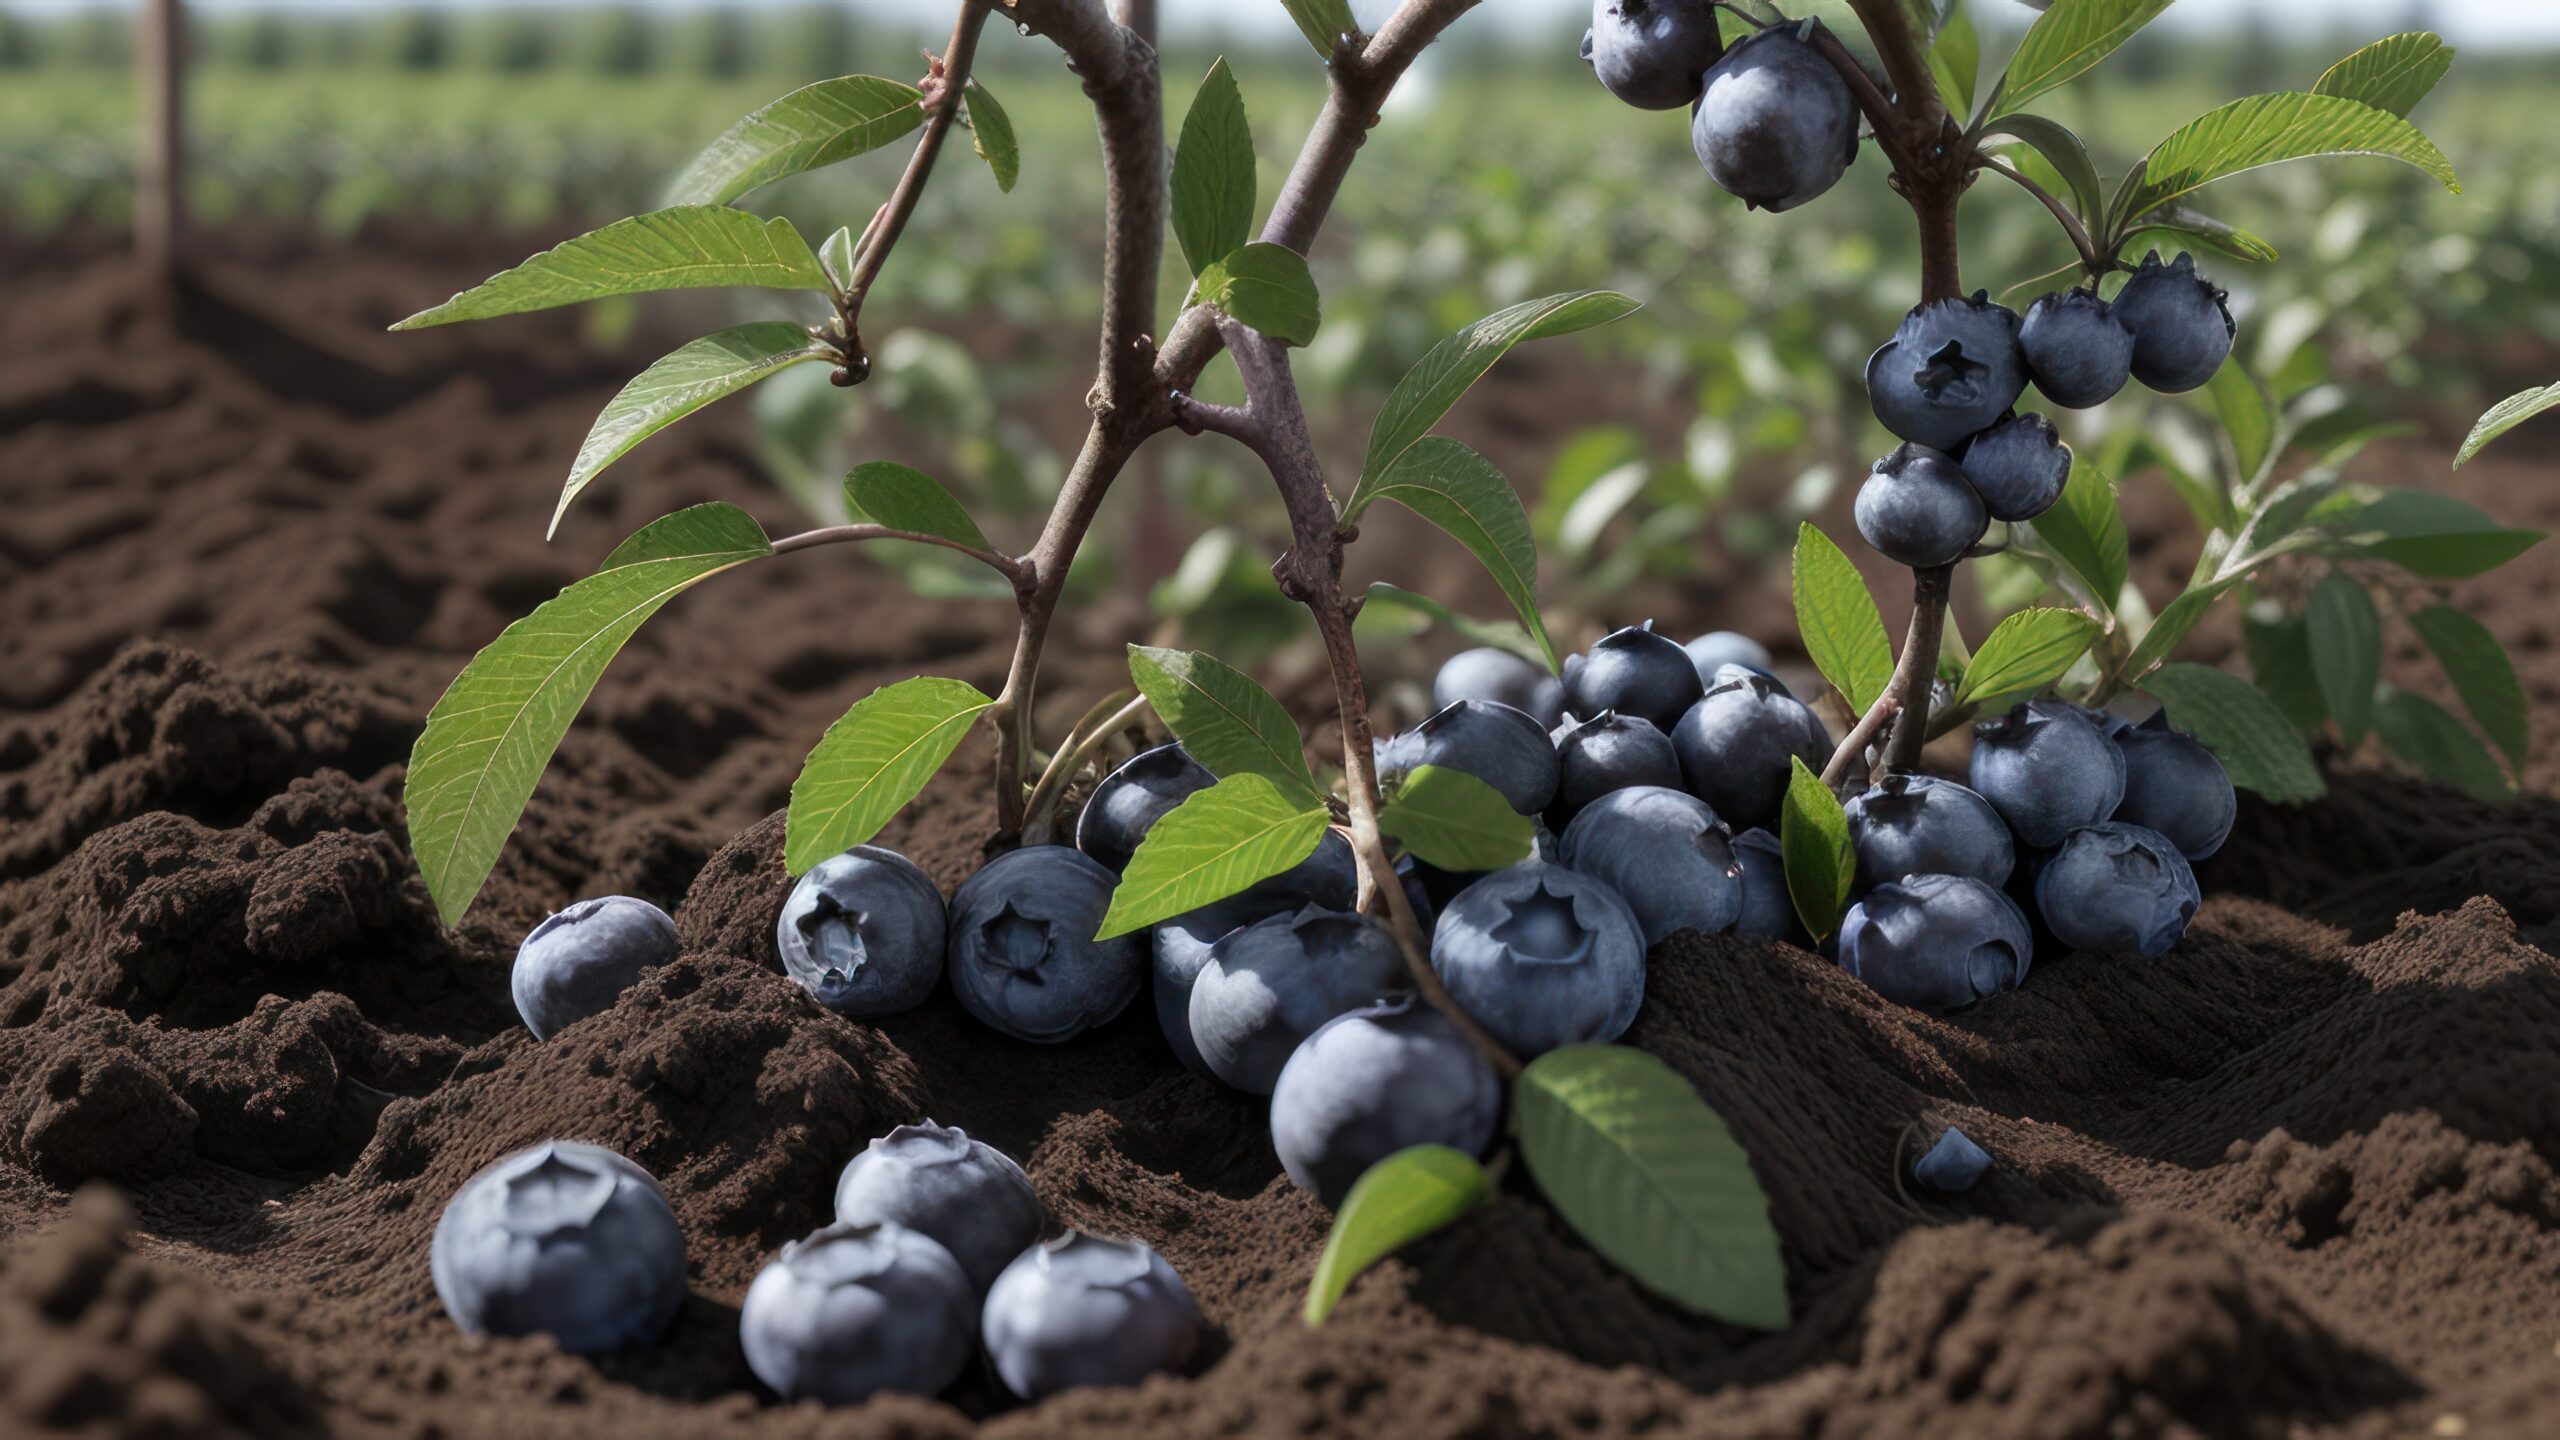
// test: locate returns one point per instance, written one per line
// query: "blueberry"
(1022, 954)
(1269, 985)
(2181, 324)
(863, 932)
(2118, 889)
(1084, 1310)
(1604, 753)
(964, 1195)
(1735, 745)
(560, 1237)
(2078, 351)
(1635, 672)
(2174, 785)
(1542, 956)
(1950, 370)
(1376, 1081)
(1181, 947)
(2018, 467)
(855, 1309)
(1716, 649)
(2048, 769)
(1917, 509)
(1665, 853)
(1488, 673)
(1936, 942)
(1653, 54)
(577, 962)
(1131, 799)
(1922, 825)
(1767, 909)
(1497, 744)
(1953, 1165)
(1776, 125)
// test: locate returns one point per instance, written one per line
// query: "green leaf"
(2481, 674)
(2267, 130)
(2247, 415)
(2346, 651)
(682, 382)
(2242, 727)
(2423, 733)
(690, 247)
(812, 126)
(1503, 635)
(1229, 724)
(2280, 661)
(2433, 535)
(2199, 228)
(2504, 416)
(2085, 530)
(1955, 62)
(1813, 837)
(1265, 287)
(2393, 74)
(1322, 21)
(1457, 822)
(2062, 149)
(2067, 40)
(1213, 172)
(1410, 1194)
(992, 131)
(488, 739)
(903, 499)
(1458, 490)
(2025, 653)
(1428, 390)
(1837, 617)
(1215, 843)
(872, 762)
(837, 254)
(2169, 627)
(1641, 1169)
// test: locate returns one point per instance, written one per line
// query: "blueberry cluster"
(1770, 119)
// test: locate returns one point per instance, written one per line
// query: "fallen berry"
(1665, 853)
(1497, 744)
(1716, 649)
(2118, 889)
(857, 1309)
(1953, 1165)
(563, 1238)
(2048, 769)
(1736, 744)
(2174, 785)
(1768, 910)
(578, 962)
(1542, 956)
(1936, 942)
(1606, 753)
(1268, 986)
(1375, 1081)
(1489, 673)
(1131, 799)
(964, 1195)
(1084, 1310)
(863, 931)
(1634, 671)
(1021, 952)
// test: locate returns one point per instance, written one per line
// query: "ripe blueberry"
(2118, 889)
(1376, 1081)
(1767, 909)
(1491, 673)
(1917, 509)
(1084, 1310)
(1936, 942)
(1181, 950)
(2018, 467)
(856, 1309)
(1498, 745)
(560, 1237)
(1607, 752)
(1922, 825)
(1131, 799)
(1953, 1165)
(1022, 954)
(1950, 370)
(2078, 351)
(964, 1195)
(2174, 785)
(1716, 649)
(2048, 769)
(1665, 853)
(1542, 956)
(1653, 54)
(863, 932)
(1734, 746)
(579, 961)
(2181, 324)
(1776, 125)
(1269, 985)
(1635, 672)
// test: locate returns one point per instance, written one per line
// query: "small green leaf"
(2069, 38)
(2267, 130)
(1323, 22)
(2063, 150)
(1813, 837)
(2242, 727)
(1955, 62)
(1501, 635)
(812, 126)
(1213, 172)
(2481, 674)
(2169, 627)
(681, 383)
(1410, 1194)
(2432, 535)
(1458, 490)
(2248, 416)
(837, 253)
(1454, 821)
(2393, 74)
(992, 131)
(903, 499)
(1267, 288)
(689, 247)
(1651, 1178)
(1838, 619)
(2025, 653)
(2346, 651)
(2504, 416)
(1215, 843)
(487, 741)
(872, 762)
(1229, 724)
(2423, 733)
(2085, 530)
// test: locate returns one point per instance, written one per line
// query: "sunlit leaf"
(1224, 720)
(2266, 130)
(812, 126)
(1323, 22)
(2504, 416)
(905, 499)
(1213, 172)
(684, 381)
(2085, 530)
(873, 761)
(2392, 74)
(2067, 40)
(1458, 490)
(1838, 620)
(992, 131)
(1266, 287)
(1813, 838)
(1395, 1202)
(1214, 844)
(2026, 652)
(685, 248)
(1456, 822)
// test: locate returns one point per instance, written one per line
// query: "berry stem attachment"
(943, 89)
(1090, 734)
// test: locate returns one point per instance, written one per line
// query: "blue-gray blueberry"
(1917, 509)
(578, 962)
(1131, 799)
(1716, 649)
(2118, 889)
(1936, 942)
(1375, 1081)
(2174, 785)
(1085, 1310)
(2181, 324)
(1768, 910)
(1922, 825)
(1490, 673)
(1951, 369)
(1269, 985)
(2048, 769)
(1775, 125)
(856, 1309)
(965, 1195)
(1652, 54)
(1022, 955)
(1953, 1165)
(1634, 671)
(1736, 744)
(1665, 853)
(863, 932)
(1605, 753)
(2078, 351)
(2018, 467)
(1542, 956)
(564, 1238)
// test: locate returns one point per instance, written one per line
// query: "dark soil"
(2297, 1177)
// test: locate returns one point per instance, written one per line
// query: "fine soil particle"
(2295, 1177)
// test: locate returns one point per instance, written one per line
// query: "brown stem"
(1089, 736)
(882, 235)
(1919, 666)
(1005, 565)
(1836, 773)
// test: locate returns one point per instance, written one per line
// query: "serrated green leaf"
(1224, 720)
(991, 130)
(682, 382)
(2085, 530)
(2266, 130)
(2247, 415)
(1410, 1194)
(2392, 74)
(1428, 390)
(2069, 38)
(2504, 416)
(904, 499)
(1650, 1177)
(2430, 534)
(2242, 727)
(2063, 150)
(1215, 843)
(873, 761)
(2423, 733)
(1454, 821)
(1838, 620)
(1322, 22)
(2481, 674)
(687, 248)
(486, 742)
(1213, 172)
(1955, 62)
(812, 126)
(1458, 490)
(1502, 635)
(1265, 287)
(2025, 653)
(1813, 838)
(2346, 651)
